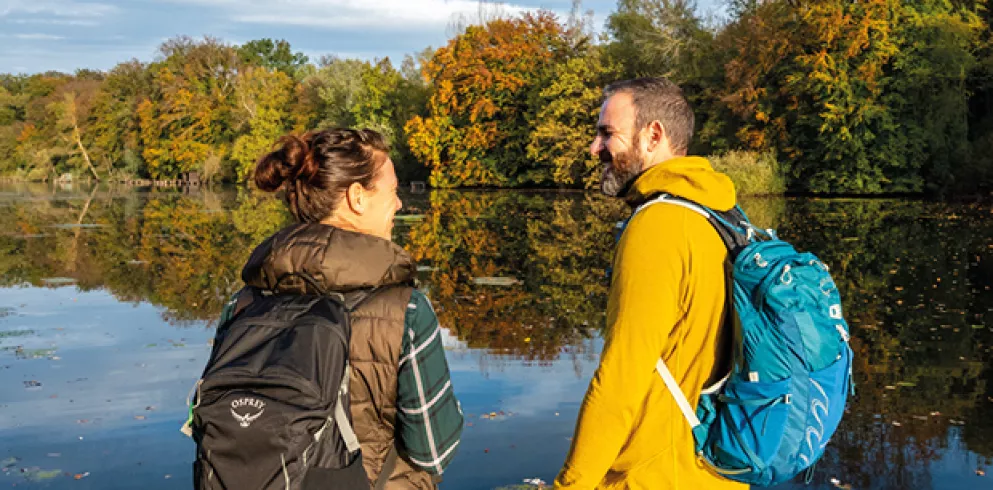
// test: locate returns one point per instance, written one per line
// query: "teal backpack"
(772, 416)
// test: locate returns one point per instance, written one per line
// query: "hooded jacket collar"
(338, 260)
(691, 178)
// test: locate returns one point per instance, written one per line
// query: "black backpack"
(272, 407)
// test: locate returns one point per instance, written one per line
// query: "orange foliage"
(478, 110)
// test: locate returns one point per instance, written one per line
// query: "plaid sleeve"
(429, 418)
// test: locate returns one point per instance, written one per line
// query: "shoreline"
(418, 187)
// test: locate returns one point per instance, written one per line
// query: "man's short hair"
(658, 99)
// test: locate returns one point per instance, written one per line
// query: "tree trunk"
(82, 149)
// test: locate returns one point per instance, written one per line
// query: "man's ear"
(656, 136)
(356, 197)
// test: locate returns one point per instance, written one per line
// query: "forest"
(803, 96)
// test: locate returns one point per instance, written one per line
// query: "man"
(667, 299)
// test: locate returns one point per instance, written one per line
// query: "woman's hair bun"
(292, 160)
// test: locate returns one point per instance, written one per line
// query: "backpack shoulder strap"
(734, 239)
(732, 226)
(246, 296)
(388, 467)
(677, 394)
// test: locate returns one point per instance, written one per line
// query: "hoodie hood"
(691, 178)
(338, 260)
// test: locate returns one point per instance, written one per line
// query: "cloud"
(36, 56)
(34, 36)
(58, 8)
(55, 22)
(374, 14)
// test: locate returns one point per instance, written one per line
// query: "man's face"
(617, 144)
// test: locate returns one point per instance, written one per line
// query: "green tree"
(567, 111)
(273, 55)
(659, 38)
(668, 38)
(116, 129)
(263, 98)
(385, 102)
(855, 97)
(337, 85)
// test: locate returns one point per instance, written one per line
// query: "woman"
(341, 187)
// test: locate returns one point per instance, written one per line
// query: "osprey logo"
(252, 403)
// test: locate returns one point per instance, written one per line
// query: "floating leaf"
(38, 475)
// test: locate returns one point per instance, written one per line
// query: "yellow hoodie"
(667, 297)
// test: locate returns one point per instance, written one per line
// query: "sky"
(64, 35)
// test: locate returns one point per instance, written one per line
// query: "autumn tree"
(72, 111)
(189, 119)
(34, 148)
(12, 104)
(477, 128)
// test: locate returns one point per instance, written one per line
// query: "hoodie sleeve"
(429, 418)
(642, 310)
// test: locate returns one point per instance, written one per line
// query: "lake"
(108, 298)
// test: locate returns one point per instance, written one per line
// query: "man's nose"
(596, 146)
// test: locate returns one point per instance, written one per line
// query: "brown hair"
(316, 168)
(658, 99)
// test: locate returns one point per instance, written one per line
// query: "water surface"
(108, 296)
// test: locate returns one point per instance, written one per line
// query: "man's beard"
(619, 170)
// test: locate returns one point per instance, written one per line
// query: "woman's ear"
(356, 197)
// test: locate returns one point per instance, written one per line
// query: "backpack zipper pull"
(187, 427)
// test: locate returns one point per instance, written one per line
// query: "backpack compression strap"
(340, 418)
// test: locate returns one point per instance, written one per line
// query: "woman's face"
(382, 203)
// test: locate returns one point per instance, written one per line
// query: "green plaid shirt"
(429, 418)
